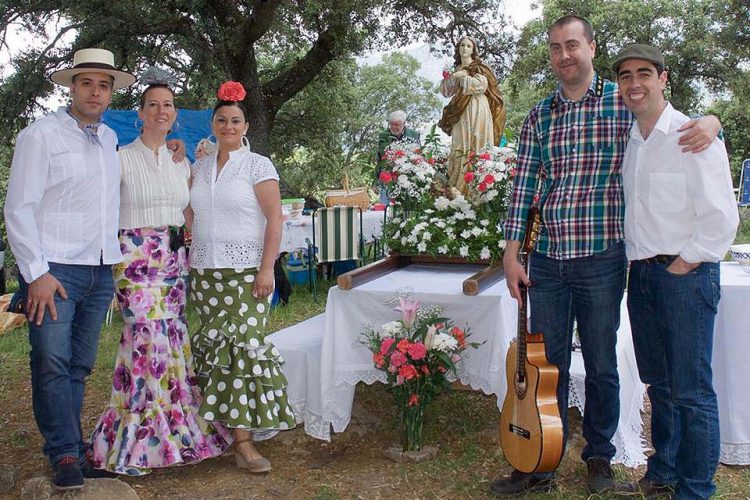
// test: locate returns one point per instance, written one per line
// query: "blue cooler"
(296, 266)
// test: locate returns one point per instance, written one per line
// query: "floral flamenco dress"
(239, 370)
(152, 419)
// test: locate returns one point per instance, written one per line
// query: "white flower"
(443, 249)
(391, 329)
(427, 236)
(484, 222)
(397, 235)
(464, 251)
(403, 240)
(412, 238)
(429, 338)
(465, 234)
(485, 253)
(476, 231)
(442, 203)
(403, 181)
(440, 224)
(444, 342)
(422, 247)
(501, 244)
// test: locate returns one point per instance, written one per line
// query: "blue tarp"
(191, 126)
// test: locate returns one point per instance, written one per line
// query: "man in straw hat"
(61, 216)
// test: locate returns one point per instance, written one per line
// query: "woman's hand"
(264, 283)
(460, 74)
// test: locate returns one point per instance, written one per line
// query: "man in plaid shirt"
(570, 152)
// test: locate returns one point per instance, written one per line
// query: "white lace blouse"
(229, 225)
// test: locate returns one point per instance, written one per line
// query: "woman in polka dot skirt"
(236, 234)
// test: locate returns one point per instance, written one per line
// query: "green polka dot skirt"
(239, 372)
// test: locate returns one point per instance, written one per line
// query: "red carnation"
(379, 359)
(414, 400)
(403, 345)
(484, 156)
(385, 177)
(446, 74)
(482, 187)
(417, 351)
(468, 177)
(488, 179)
(408, 372)
(232, 91)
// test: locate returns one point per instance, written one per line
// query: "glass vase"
(412, 426)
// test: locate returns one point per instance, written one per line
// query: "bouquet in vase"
(418, 352)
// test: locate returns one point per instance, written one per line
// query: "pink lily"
(408, 309)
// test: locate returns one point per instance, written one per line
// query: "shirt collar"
(595, 89)
(663, 124)
(89, 130)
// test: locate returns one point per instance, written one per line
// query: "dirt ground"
(463, 424)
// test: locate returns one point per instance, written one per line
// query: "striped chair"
(337, 237)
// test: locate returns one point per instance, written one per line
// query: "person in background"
(570, 155)
(61, 217)
(236, 236)
(152, 419)
(680, 219)
(397, 131)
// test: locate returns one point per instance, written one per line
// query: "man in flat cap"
(61, 216)
(680, 218)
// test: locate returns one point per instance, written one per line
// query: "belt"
(658, 259)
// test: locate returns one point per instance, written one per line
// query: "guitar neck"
(522, 321)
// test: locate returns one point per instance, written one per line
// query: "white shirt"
(63, 196)
(677, 203)
(229, 225)
(154, 189)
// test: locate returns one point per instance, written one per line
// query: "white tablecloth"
(294, 231)
(731, 359)
(345, 361)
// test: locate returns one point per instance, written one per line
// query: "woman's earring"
(211, 139)
(245, 142)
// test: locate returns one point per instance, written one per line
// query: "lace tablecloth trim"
(735, 454)
(315, 425)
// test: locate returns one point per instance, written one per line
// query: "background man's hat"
(93, 61)
(639, 51)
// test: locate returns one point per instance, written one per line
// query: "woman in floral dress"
(152, 418)
(236, 235)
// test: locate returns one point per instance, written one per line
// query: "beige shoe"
(256, 466)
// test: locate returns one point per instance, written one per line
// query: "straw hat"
(93, 61)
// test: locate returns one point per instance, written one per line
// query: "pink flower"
(385, 177)
(385, 346)
(231, 91)
(378, 359)
(482, 187)
(398, 359)
(484, 156)
(468, 176)
(417, 351)
(414, 400)
(408, 372)
(408, 309)
(488, 179)
(455, 358)
(446, 74)
(403, 345)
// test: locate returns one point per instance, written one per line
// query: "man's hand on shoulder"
(41, 295)
(177, 146)
(699, 133)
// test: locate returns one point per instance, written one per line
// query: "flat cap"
(639, 51)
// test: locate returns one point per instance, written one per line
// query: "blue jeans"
(63, 353)
(672, 318)
(588, 290)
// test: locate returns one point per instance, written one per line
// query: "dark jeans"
(588, 290)
(63, 353)
(672, 318)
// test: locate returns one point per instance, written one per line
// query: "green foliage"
(734, 116)
(696, 36)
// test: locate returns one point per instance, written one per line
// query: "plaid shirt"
(575, 148)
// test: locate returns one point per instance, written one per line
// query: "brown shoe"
(651, 489)
(256, 465)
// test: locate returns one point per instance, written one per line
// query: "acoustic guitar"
(531, 431)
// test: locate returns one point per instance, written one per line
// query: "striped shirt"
(575, 150)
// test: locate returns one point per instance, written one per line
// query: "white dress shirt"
(63, 196)
(154, 189)
(228, 224)
(677, 203)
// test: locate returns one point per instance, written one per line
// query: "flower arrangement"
(410, 171)
(418, 352)
(446, 223)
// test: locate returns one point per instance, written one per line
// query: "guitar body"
(531, 431)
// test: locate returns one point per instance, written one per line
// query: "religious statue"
(475, 115)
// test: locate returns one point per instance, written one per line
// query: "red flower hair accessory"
(232, 91)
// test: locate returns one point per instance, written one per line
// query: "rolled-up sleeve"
(28, 175)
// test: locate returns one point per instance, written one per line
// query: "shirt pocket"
(605, 133)
(66, 168)
(667, 192)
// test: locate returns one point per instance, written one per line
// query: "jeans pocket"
(710, 289)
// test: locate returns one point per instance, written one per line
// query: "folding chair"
(337, 237)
